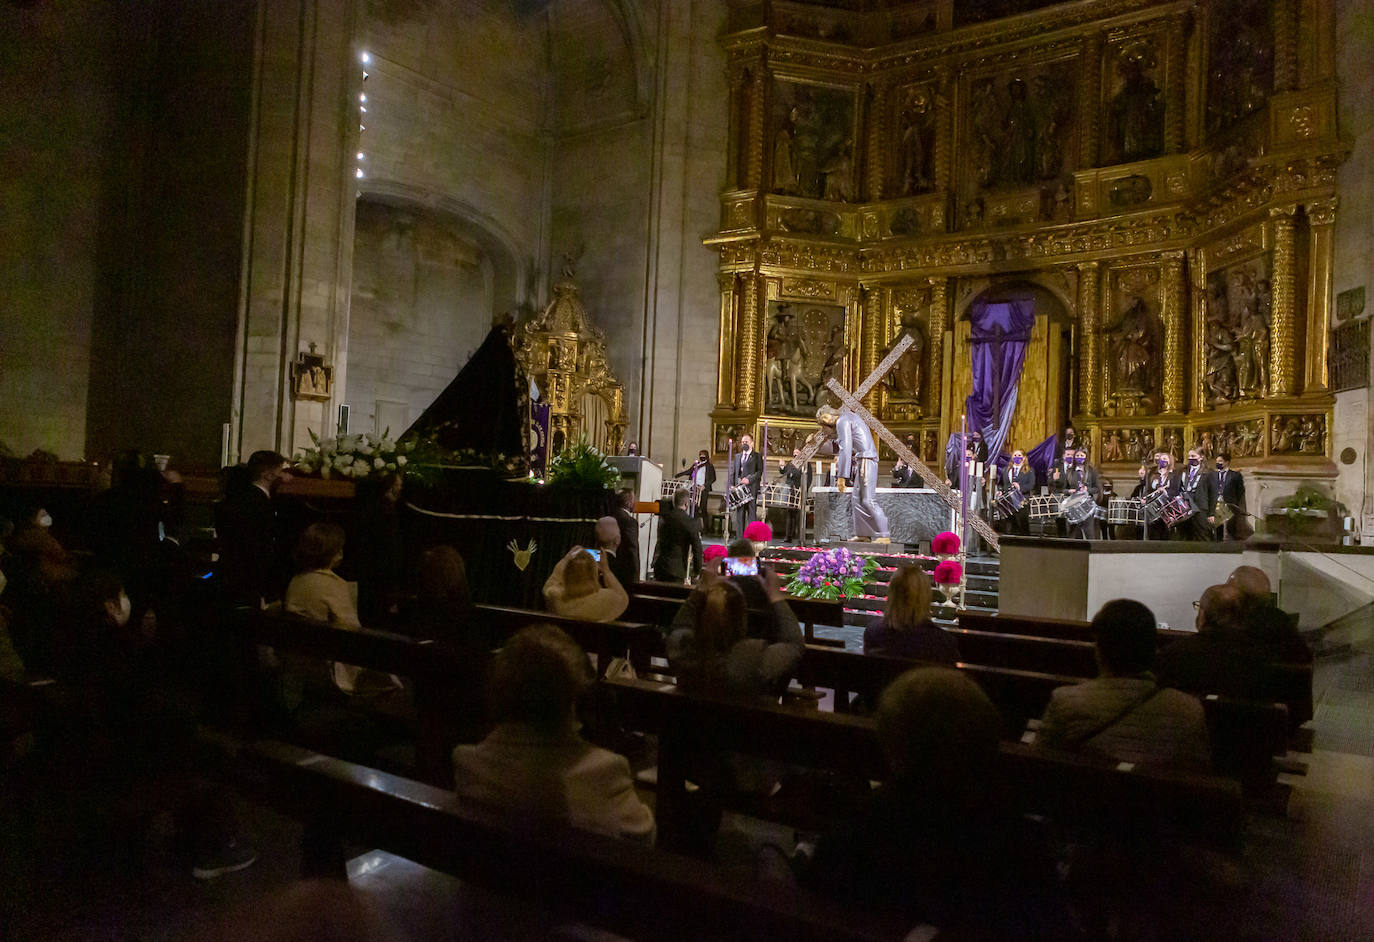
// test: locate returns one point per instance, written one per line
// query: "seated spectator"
(39, 576)
(621, 561)
(1220, 658)
(534, 763)
(709, 646)
(320, 594)
(938, 842)
(38, 550)
(1125, 714)
(585, 588)
(442, 610)
(1268, 626)
(906, 629)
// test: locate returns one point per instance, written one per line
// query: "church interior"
(678, 233)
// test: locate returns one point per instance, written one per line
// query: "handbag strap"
(1117, 717)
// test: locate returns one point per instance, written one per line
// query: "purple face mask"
(1016, 460)
(1081, 459)
(1163, 464)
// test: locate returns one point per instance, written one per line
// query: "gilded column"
(1176, 89)
(725, 359)
(1172, 295)
(758, 94)
(1090, 100)
(877, 134)
(737, 124)
(1197, 271)
(1285, 45)
(1283, 325)
(1321, 218)
(747, 344)
(1089, 315)
(870, 338)
(935, 348)
(944, 134)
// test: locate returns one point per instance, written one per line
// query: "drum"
(1124, 511)
(1077, 508)
(1169, 510)
(780, 494)
(1008, 503)
(738, 496)
(1044, 508)
(668, 489)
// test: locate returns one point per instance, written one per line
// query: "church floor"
(1308, 876)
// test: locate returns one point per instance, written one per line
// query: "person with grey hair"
(857, 464)
(1220, 658)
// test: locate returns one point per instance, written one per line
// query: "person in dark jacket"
(629, 541)
(252, 561)
(380, 552)
(1220, 658)
(677, 536)
(906, 629)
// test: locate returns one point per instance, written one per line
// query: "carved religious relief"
(1240, 59)
(1127, 444)
(1133, 338)
(1017, 145)
(804, 347)
(722, 435)
(915, 127)
(1297, 435)
(903, 382)
(812, 145)
(1135, 107)
(1236, 334)
(1238, 439)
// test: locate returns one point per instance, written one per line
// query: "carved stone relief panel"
(1127, 444)
(1133, 340)
(1239, 439)
(804, 347)
(813, 141)
(1237, 323)
(721, 436)
(1297, 434)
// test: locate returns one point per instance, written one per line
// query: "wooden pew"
(660, 610)
(606, 640)
(1027, 652)
(617, 885)
(1074, 789)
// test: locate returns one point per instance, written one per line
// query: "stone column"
(1176, 87)
(1090, 101)
(1321, 218)
(870, 337)
(757, 126)
(1173, 294)
(1089, 322)
(1283, 323)
(935, 348)
(877, 137)
(725, 353)
(736, 132)
(944, 134)
(747, 365)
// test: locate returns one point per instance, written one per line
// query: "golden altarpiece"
(564, 354)
(1158, 177)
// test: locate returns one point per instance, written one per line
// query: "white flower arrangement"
(352, 456)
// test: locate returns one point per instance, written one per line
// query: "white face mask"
(125, 610)
(44, 520)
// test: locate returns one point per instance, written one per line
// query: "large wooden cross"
(947, 494)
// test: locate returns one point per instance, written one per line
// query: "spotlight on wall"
(365, 57)
(360, 155)
(363, 109)
(364, 75)
(360, 173)
(362, 98)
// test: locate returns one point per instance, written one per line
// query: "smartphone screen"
(742, 565)
(596, 554)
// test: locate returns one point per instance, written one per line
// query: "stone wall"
(1354, 238)
(421, 305)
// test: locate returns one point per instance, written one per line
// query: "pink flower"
(758, 532)
(714, 551)
(945, 544)
(948, 573)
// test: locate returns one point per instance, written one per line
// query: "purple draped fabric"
(1000, 333)
(1040, 458)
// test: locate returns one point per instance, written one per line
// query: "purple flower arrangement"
(833, 574)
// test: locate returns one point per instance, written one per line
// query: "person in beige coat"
(585, 588)
(535, 763)
(1124, 713)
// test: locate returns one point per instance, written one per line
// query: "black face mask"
(1220, 466)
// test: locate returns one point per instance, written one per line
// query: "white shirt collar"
(265, 490)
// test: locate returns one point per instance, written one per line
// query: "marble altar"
(913, 514)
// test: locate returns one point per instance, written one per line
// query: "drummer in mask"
(1200, 487)
(1018, 477)
(1080, 478)
(1063, 482)
(1163, 478)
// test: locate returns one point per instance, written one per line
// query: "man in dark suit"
(252, 560)
(628, 550)
(1231, 489)
(677, 533)
(702, 476)
(1018, 475)
(1200, 488)
(746, 469)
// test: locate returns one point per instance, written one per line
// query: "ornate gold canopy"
(564, 354)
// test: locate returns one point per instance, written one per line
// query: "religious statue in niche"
(917, 145)
(802, 344)
(985, 124)
(1236, 336)
(904, 379)
(1135, 129)
(813, 144)
(1018, 140)
(1111, 446)
(1134, 343)
(1240, 55)
(311, 377)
